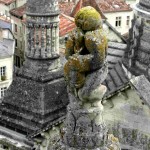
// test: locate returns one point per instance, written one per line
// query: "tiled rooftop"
(115, 53)
(19, 12)
(116, 80)
(66, 24)
(82, 3)
(66, 7)
(7, 2)
(113, 6)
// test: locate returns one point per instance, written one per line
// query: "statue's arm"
(69, 51)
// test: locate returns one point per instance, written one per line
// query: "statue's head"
(88, 19)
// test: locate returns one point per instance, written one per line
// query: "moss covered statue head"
(88, 19)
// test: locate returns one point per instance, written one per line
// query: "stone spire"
(137, 57)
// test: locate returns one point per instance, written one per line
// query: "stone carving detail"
(50, 6)
(85, 70)
(43, 41)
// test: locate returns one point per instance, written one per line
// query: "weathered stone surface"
(34, 103)
(44, 7)
(144, 5)
(88, 19)
(45, 70)
(84, 71)
(37, 97)
(137, 53)
(85, 52)
(91, 90)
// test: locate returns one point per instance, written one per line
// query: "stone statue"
(85, 70)
(86, 48)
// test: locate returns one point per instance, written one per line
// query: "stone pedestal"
(85, 128)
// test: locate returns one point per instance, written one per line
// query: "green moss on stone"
(88, 19)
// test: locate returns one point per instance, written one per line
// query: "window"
(2, 91)
(3, 71)
(17, 61)
(16, 43)
(118, 21)
(128, 21)
(15, 28)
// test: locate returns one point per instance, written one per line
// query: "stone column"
(37, 42)
(28, 50)
(32, 42)
(48, 42)
(43, 41)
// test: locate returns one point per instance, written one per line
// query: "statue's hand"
(74, 43)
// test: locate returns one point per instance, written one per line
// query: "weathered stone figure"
(84, 71)
(85, 48)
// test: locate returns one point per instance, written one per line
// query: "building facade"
(118, 14)
(7, 47)
(6, 6)
(18, 27)
(131, 2)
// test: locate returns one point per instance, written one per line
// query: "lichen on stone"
(88, 19)
(85, 48)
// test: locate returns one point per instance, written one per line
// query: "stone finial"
(85, 70)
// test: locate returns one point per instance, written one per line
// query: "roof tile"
(107, 6)
(66, 25)
(7, 2)
(19, 12)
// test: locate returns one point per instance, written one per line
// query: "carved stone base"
(84, 127)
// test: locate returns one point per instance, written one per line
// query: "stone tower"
(37, 96)
(137, 57)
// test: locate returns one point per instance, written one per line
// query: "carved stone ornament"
(85, 70)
